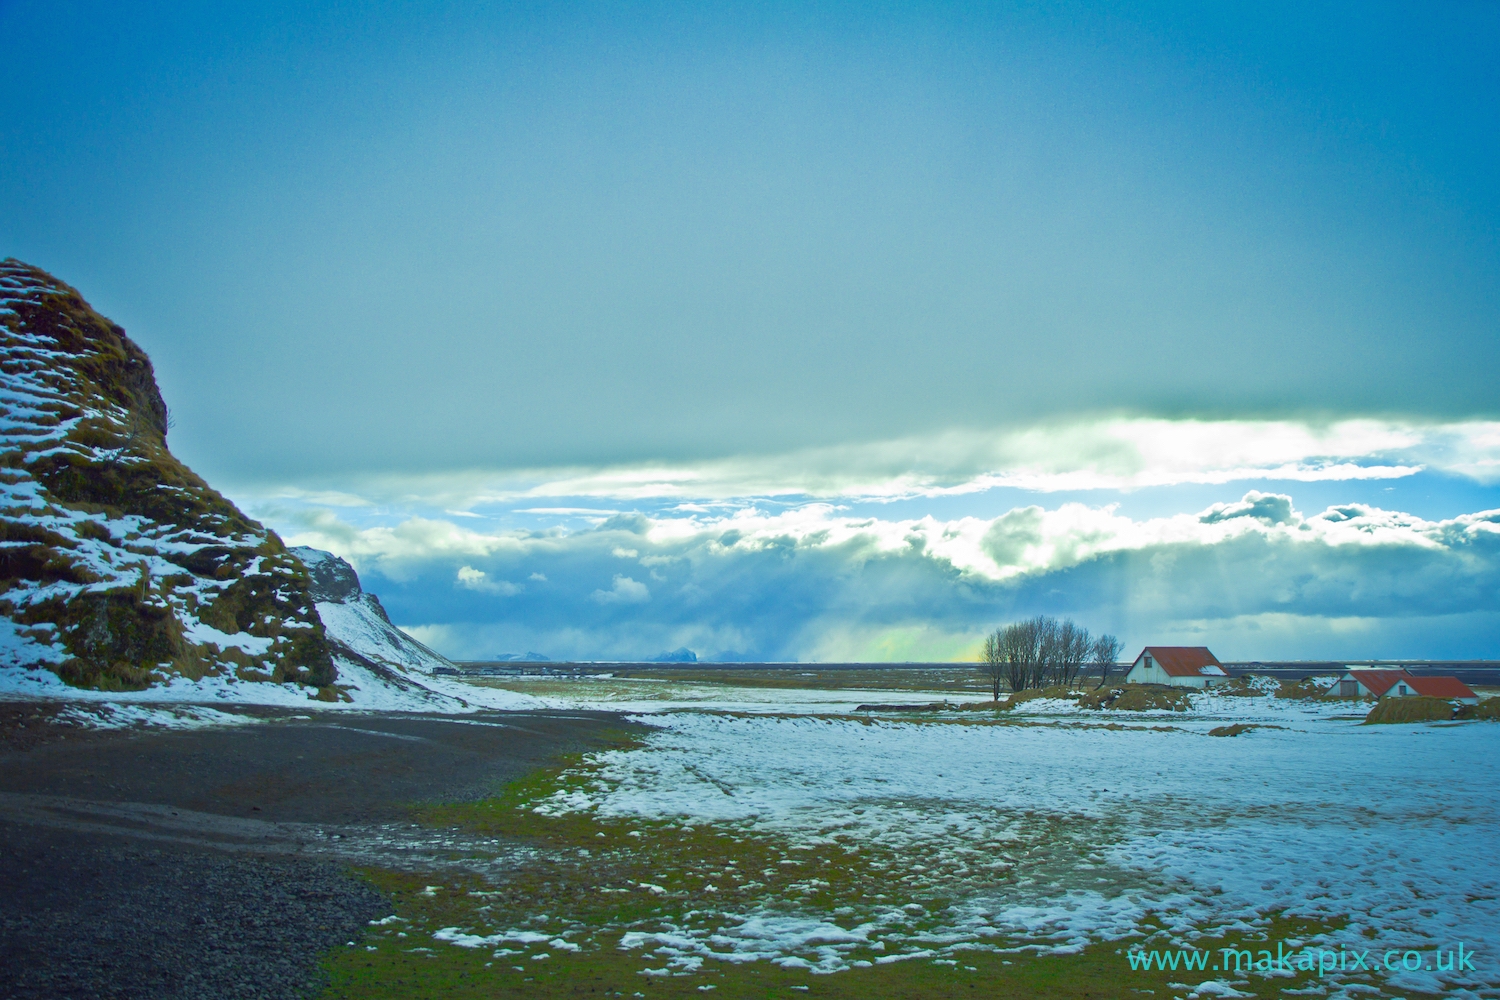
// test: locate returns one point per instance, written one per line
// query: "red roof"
(1378, 682)
(1185, 661)
(1441, 687)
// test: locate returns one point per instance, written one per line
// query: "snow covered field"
(1392, 829)
(650, 695)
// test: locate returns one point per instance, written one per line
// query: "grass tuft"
(1407, 710)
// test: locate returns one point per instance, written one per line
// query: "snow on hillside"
(380, 668)
(355, 618)
(360, 624)
(120, 568)
(364, 689)
(125, 577)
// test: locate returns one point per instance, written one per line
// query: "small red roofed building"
(1375, 683)
(1177, 666)
(1400, 684)
(1447, 688)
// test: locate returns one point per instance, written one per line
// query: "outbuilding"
(1375, 683)
(1177, 666)
(1447, 688)
(1400, 684)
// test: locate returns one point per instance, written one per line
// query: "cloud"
(1122, 453)
(625, 591)
(410, 543)
(1271, 508)
(476, 579)
(813, 582)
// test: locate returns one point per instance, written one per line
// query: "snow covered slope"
(354, 621)
(125, 576)
(379, 665)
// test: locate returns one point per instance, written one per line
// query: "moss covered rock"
(119, 566)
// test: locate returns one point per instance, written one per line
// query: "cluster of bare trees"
(1043, 651)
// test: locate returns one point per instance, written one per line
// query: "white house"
(1177, 666)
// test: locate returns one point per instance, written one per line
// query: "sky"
(809, 331)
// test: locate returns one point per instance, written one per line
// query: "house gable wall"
(1139, 673)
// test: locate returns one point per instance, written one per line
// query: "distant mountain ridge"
(122, 570)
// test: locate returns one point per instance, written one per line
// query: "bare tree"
(1019, 644)
(1073, 647)
(1040, 652)
(993, 665)
(1105, 653)
(1062, 649)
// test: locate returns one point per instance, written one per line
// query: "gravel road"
(214, 863)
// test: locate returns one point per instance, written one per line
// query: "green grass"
(598, 865)
(963, 678)
(689, 685)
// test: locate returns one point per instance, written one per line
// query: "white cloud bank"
(1109, 454)
(814, 583)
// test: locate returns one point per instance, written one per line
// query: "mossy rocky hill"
(120, 567)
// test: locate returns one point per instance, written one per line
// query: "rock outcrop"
(356, 626)
(119, 567)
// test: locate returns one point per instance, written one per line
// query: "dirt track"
(214, 862)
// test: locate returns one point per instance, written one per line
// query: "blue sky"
(809, 331)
